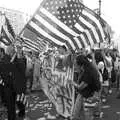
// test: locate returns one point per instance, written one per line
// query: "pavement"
(40, 108)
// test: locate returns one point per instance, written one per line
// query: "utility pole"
(99, 7)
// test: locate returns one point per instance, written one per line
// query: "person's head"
(30, 54)
(10, 50)
(101, 65)
(82, 60)
(62, 49)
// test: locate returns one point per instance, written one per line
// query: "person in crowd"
(108, 62)
(105, 81)
(86, 85)
(29, 71)
(36, 72)
(13, 74)
(117, 67)
(61, 57)
(5, 58)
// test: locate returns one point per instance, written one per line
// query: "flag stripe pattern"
(9, 27)
(9, 30)
(67, 22)
(4, 37)
(32, 45)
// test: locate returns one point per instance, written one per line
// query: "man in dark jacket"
(14, 82)
(86, 85)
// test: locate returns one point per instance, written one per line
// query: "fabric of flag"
(55, 83)
(9, 30)
(4, 38)
(31, 37)
(66, 22)
(9, 27)
(107, 30)
(32, 45)
(22, 98)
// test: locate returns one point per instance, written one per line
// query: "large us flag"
(66, 22)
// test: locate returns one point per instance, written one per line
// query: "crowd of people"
(95, 71)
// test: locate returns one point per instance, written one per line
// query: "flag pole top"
(100, 7)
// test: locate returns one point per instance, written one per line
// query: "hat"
(100, 65)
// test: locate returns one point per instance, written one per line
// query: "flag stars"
(68, 16)
(53, 12)
(47, 4)
(60, 1)
(73, 16)
(67, 11)
(70, 21)
(75, 5)
(65, 1)
(70, 5)
(65, 22)
(56, 2)
(64, 17)
(62, 12)
(76, 10)
(70, 26)
(74, 21)
(51, 3)
(59, 17)
(72, 10)
(66, 5)
(56, 7)
(47, 8)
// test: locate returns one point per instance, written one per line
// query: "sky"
(109, 8)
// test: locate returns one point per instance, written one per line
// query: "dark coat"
(15, 73)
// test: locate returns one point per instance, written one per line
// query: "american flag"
(32, 45)
(7, 32)
(9, 29)
(4, 38)
(66, 22)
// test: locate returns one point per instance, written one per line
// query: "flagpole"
(100, 7)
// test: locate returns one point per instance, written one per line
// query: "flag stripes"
(96, 18)
(4, 37)
(90, 23)
(59, 28)
(54, 32)
(67, 23)
(22, 98)
(80, 27)
(31, 45)
(9, 27)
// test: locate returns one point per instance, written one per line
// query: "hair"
(82, 60)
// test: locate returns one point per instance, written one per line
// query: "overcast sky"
(110, 9)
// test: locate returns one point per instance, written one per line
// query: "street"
(40, 108)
